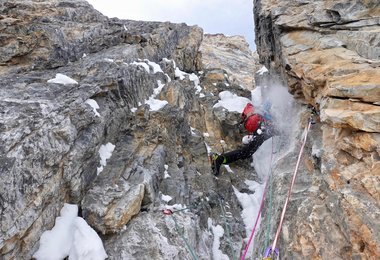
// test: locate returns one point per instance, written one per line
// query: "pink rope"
(290, 189)
(260, 209)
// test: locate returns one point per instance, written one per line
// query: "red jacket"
(251, 121)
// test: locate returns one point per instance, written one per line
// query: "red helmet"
(251, 120)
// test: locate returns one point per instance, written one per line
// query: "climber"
(260, 127)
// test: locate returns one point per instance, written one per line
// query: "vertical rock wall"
(328, 54)
(231, 53)
(50, 137)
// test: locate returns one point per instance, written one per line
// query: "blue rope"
(184, 239)
(227, 226)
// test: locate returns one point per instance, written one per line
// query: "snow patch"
(62, 79)
(194, 78)
(156, 67)
(251, 205)
(166, 174)
(158, 90)
(166, 198)
(168, 61)
(156, 104)
(231, 101)
(105, 152)
(94, 106)
(143, 64)
(192, 130)
(262, 70)
(218, 232)
(180, 74)
(168, 79)
(71, 236)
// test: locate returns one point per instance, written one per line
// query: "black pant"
(247, 150)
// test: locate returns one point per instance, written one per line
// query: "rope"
(184, 239)
(227, 229)
(261, 207)
(290, 188)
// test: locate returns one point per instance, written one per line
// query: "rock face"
(156, 97)
(231, 53)
(327, 53)
(56, 67)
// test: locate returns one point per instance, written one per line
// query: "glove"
(247, 139)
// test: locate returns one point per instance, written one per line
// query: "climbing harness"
(261, 207)
(290, 188)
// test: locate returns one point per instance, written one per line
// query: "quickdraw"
(167, 212)
(269, 252)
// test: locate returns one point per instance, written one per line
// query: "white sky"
(230, 17)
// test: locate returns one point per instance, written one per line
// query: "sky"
(214, 16)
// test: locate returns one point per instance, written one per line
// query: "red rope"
(290, 189)
(260, 209)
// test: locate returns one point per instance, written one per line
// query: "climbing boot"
(216, 161)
